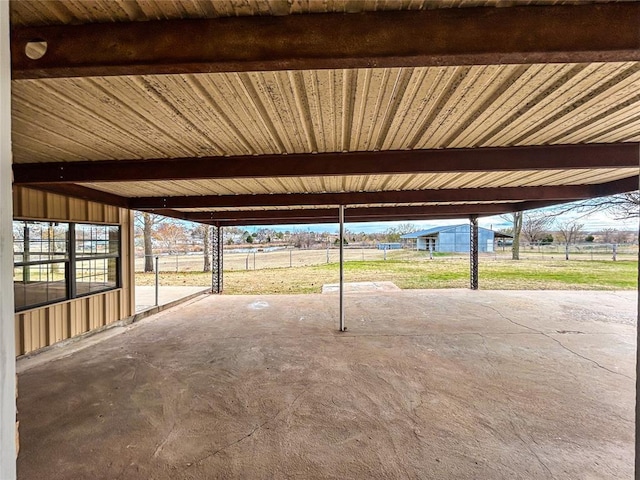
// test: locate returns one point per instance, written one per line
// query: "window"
(97, 250)
(41, 262)
(56, 261)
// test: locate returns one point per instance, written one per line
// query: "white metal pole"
(342, 327)
(7, 326)
(157, 279)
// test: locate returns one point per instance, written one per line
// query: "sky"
(592, 223)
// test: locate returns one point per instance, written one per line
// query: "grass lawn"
(410, 274)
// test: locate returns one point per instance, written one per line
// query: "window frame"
(72, 257)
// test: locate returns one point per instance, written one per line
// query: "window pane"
(96, 240)
(40, 241)
(40, 252)
(95, 275)
(39, 284)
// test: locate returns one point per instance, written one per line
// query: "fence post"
(290, 258)
(615, 251)
(254, 260)
(157, 278)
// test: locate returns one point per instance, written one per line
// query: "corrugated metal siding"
(324, 111)
(38, 12)
(35, 204)
(45, 326)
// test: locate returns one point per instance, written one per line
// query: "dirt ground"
(446, 384)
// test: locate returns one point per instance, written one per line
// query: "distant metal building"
(452, 239)
(389, 246)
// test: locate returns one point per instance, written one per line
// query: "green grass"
(424, 273)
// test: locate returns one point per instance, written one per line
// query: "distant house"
(451, 239)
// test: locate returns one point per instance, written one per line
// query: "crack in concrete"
(531, 450)
(248, 435)
(486, 357)
(539, 332)
(163, 443)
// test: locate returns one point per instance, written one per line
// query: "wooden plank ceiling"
(546, 110)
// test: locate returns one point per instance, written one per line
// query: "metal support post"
(8, 433)
(637, 419)
(341, 239)
(473, 247)
(217, 246)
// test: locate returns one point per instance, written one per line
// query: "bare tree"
(405, 228)
(206, 243)
(203, 233)
(517, 218)
(535, 225)
(607, 235)
(620, 206)
(170, 234)
(147, 222)
(569, 232)
(392, 235)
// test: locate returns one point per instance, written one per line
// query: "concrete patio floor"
(146, 295)
(446, 384)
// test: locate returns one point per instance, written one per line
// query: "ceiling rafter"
(369, 211)
(348, 218)
(324, 164)
(464, 36)
(332, 213)
(386, 214)
(557, 193)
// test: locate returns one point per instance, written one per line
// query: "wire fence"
(258, 258)
(585, 251)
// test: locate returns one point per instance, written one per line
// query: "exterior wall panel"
(41, 327)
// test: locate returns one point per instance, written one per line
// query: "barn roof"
(398, 110)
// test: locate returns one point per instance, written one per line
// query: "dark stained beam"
(332, 213)
(360, 214)
(556, 193)
(349, 218)
(350, 163)
(84, 193)
(451, 36)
